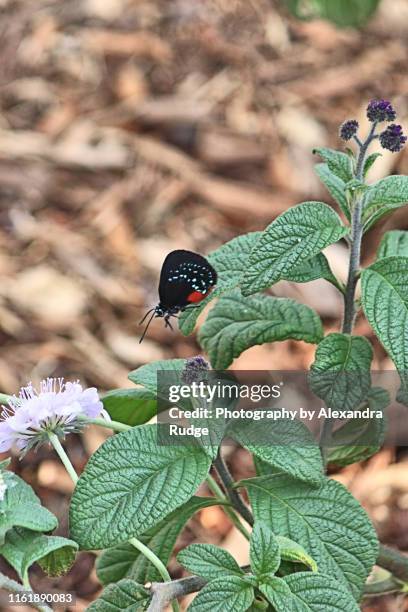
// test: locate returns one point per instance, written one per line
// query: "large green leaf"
(146, 375)
(327, 521)
(339, 163)
(284, 444)
(23, 547)
(237, 323)
(125, 595)
(130, 406)
(336, 187)
(22, 508)
(131, 484)
(340, 374)
(384, 196)
(225, 594)
(208, 561)
(385, 303)
(393, 244)
(296, 236)
(312, 269)
(277, 593)
(230, 261)
(264, 550)
(125, 561)
(317, 592)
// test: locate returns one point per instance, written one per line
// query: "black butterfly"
(186, 278)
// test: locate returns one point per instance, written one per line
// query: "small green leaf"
(230, 262)
(317, 592)
(277, 593)
(294, 552)
(125, 595)
(393, 244)
(384, 196)
(125, 561)
(343, 13)
(208, 561)
(286, 445)
(130, 406)
(312, 269)
(338, 162)
(335, 186)
(384, 288)
(359, 439)
(146, 375)
(225, 594)
(131, 484)
(237, 323)
(327, 520)
(371, 159)
(264, 550)
(296, 236)
(340, 374)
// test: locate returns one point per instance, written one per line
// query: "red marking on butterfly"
(196, 296)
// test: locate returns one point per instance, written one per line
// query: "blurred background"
(129, 128)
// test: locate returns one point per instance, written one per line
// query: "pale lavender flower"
(58, 407)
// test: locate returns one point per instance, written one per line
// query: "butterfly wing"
(186, 278)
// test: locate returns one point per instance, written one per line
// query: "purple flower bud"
(194, 370)
(380, 110)
(348, 129)
(393, 138)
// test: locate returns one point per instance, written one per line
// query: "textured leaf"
(237, 323)
(393, 244)
(130, 406)
(125, 595)
(385, 303)
(371, 159)
(340, 374)
(230, 261)
(277, 593)
(208, 561)
(125, 561)
(264, 550)
(286, 445)
(22, 508)
(296, 236)
(317, 592)
(23, 547)
(312, 269)
(327, 521)
(146, 375)
(131, 484)
(336, 187)
(359, 439)
(226, 594)
(294, 552)
(338, 162)
(384, 196)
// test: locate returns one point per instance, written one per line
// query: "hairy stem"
(63, 456)
(234, 497)
(114, 425)
(213, 486)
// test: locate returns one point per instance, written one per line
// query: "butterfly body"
(186, 278)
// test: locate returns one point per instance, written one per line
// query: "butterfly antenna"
(153, 311)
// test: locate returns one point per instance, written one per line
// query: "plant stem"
(63, 456)
(114, 425)
(213, 486)
(158, 564)
(393, 561)
(234, 497)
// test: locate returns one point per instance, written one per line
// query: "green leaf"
(23, 547)
(295, 553)
(146, 375)
(327, 520)
(371, 159)
(130, 406)
(343, 13)
(125, 561)
(208, 561)
(338, 162)
(125, 595)
(237, 323)
(317, 592)
(264, 550)
(286, 445)
(340, 374)
(359, 439)
(225, 594)
(230, 261)
(336, 187)
(131, 484)
(277, 593)
(393, 244)
(22, 508)
(384, 196)
(384, 288)
(312, 269)
(294, 237)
